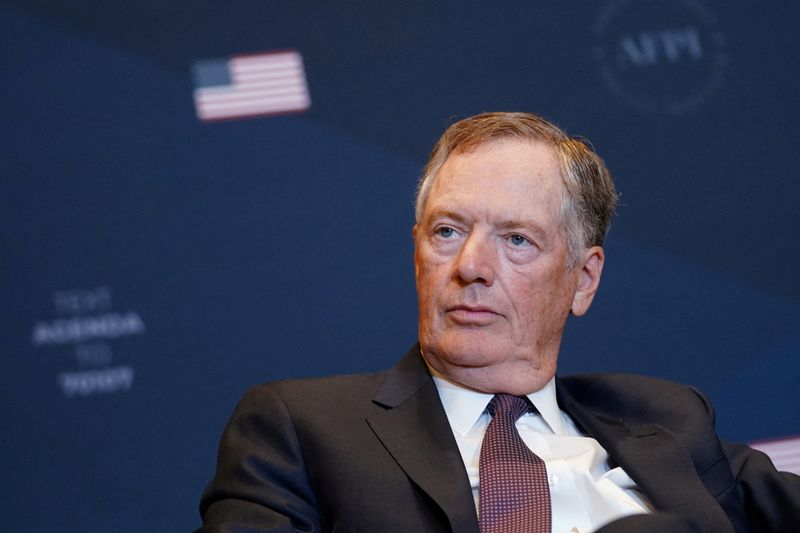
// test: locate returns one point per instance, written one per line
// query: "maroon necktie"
(514, 495)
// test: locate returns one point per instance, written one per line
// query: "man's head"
(589, 197)
(511, 216)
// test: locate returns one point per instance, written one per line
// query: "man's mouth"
(471, 315)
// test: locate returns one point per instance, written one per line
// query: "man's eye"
(518, 240)
(445, 232)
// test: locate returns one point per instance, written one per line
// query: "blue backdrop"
(155, 265)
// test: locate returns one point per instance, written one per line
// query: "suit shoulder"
(602, 382)
(320, 393)
(333, 384)
(642, 399)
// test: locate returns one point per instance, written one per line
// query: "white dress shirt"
(584, 493)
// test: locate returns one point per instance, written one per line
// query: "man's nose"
(476, 260)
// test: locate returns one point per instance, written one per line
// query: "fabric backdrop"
(155, 263)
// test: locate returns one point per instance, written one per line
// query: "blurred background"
(198, 197)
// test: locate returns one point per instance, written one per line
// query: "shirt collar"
(465, 406)
(545, 402)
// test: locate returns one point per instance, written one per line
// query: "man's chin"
(467, 353)
(487, 363)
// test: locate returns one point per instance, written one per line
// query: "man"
(472, 430)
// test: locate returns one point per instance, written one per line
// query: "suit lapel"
(658, 463)
(414, 429)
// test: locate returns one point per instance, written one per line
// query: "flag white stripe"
(787, 467)
(783, 446)
(250, 110)
(262, 98)
(241, 93)
(258, 86)
(267, 65)
(268, 80)
(291, 57)
(293, 101)
(784, 460)
(282, 65)
(780, 453)
(283, 73)
(222, 89)
(252, 98)
(275, 82)
(785, 453)
(297, 101)
(779, 443)
(791, 441)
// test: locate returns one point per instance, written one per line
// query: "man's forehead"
(508, 177)
(504, 158)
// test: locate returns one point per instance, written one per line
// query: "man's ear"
(591, 267)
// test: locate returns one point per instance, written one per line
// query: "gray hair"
(590, 197)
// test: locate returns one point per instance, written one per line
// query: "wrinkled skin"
(492, 271)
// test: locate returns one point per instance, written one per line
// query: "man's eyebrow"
(440, 213)
(530, 225)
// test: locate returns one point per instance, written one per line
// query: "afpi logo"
(660, 55)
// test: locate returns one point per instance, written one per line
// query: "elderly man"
(472, 431)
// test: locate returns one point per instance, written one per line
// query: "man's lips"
(471, 314)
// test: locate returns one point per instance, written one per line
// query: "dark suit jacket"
(375, 453)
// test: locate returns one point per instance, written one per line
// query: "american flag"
(250, 85)
(785, 453)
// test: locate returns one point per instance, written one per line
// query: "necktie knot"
(507, 405)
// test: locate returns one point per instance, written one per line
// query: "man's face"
(491, 268)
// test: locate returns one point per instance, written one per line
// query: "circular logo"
(660, 55)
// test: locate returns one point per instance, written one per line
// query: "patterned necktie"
(514, 495)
